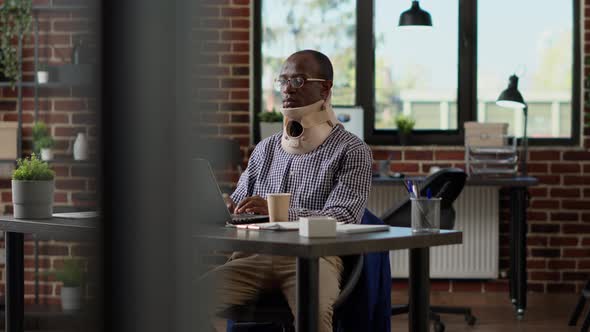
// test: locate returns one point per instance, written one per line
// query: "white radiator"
(477, 216)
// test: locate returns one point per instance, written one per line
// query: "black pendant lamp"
(415, 16)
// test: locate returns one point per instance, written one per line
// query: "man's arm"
(347, 201)
(247, 180)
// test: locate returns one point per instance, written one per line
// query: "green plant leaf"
(32, 169)
(71, 274)
(41, 137)
(16, 20)
(405, 124)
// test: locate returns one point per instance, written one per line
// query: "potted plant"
(71, 275)
(42, 73)
(32, 189)
(45, 144)
(15, 21)
(42, 141)
(270, 123)
(405, 125)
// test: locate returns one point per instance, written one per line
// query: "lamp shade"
(511, 97)
(415, 16)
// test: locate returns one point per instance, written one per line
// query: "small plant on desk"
(42, 141)
(405, 125)
(32, 189)
(71, 275)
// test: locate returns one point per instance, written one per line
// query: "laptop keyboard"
(247, 218)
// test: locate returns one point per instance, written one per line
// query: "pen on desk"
(409, 188)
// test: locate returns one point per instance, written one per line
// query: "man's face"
(302, 65)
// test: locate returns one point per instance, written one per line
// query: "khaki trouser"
(240, 280)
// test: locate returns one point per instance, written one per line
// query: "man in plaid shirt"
(333, 179)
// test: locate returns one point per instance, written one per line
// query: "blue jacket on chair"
(369, 306)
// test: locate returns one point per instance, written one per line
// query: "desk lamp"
(511, 98)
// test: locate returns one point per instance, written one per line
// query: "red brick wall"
(66, 114)
(559, 214)
(225, 46)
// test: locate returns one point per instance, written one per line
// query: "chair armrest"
(353, 278)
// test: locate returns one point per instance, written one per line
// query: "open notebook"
(294, 226)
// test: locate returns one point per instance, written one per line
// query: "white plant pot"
(71, 298)
(42, 77)
(268, 129)
(32, 199)
(46, 154)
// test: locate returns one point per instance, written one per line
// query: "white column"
(407, 108)
(555, 119)
(444, 115)
(481, 112)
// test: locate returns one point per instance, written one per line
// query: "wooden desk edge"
(220, 243)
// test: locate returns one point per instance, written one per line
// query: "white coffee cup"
(278, 206)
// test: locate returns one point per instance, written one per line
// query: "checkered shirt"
(332, 180)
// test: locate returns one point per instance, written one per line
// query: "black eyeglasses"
(295, 82)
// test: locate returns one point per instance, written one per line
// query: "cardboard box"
(486, 134)
(8, 136)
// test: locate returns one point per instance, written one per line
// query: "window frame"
(467, 79)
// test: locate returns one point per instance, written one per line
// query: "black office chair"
(579, 307)
(270, 311)
(446, 184)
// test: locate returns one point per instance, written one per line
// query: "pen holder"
(425, 215)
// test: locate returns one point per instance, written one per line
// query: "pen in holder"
(425, 214)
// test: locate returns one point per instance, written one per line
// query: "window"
(541, 50)
(326, 26)
(416, 70)
(442, 77)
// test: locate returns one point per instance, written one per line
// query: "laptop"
(209, 204)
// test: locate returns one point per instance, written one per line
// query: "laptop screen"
(209, 206)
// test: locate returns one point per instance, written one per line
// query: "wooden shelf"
(43, 85)
(59, 8)
(52, 318)
(66, 160)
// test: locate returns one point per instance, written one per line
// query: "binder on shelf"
(8, 140)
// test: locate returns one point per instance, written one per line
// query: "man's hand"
(253, 204)
(229, 202)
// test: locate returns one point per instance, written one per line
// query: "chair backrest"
(353, 264)
(447, 184)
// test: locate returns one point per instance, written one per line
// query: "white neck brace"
(305, 128)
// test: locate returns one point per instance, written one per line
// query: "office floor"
(545, 313)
